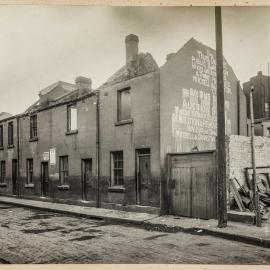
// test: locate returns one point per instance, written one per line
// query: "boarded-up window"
(124, 105)
(117, 165)
(64, 170)
(2, 171)
(10, 133)
(1, 136)
(33, 126)
(72, 118)
(29, 167)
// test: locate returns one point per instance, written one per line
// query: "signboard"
(52, 156)
(46, 156)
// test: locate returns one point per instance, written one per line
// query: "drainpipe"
(18, 158)
(98, 148)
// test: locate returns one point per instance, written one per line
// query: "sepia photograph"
(134, 135)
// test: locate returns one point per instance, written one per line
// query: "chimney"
(170, 56)
(132, 47)
(84, 85)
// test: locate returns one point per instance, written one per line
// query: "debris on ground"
(243, 194)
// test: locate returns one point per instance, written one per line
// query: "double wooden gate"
(192, 185)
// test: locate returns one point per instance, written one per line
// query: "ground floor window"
(117, 165)
(64, 170)
(2, 171)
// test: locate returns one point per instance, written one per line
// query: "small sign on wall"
(46, 156)
(52, 156)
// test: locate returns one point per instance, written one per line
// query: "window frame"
(2, 172)
(29, 173)
(10, 138)
(1, 136)
(119, 104)
(63, 172)
(115, 181)
(33, 126)
(69, 130)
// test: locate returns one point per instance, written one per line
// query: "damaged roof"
(143, 64)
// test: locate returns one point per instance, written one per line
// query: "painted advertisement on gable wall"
(194, 114)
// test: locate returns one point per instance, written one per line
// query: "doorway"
(143, 167)
(86, 177)
(44, 179)
(192, 184)
(14, 176)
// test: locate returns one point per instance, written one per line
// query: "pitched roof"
(66, 88)
(144, 64)
(4, 115)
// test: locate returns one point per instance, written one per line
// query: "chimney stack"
(84, 85)
(132, 47)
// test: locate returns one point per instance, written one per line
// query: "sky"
(40, 45)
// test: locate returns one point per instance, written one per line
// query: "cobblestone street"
(31, 236)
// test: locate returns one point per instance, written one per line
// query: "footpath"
(235, 231)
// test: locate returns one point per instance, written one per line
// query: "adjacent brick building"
(261, 101)
(108, 146)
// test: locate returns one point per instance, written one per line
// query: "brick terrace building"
(108, 146)
(261, 101)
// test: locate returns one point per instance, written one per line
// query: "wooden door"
(14, 176)
(86, 177)
(143, 176)
(192, 185)
(44, 179)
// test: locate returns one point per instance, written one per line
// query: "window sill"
(71, 132)
(116, 189)
(1, 147)
(124, 122)
(29, 185)
(10, 146)
(3, 184)
(33, 139)
(63, 187)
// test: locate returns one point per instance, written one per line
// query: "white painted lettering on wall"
(204, 67)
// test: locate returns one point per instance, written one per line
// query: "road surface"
(31, 236)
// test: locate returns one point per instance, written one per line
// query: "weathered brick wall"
(239, 155)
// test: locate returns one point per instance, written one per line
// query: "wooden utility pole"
(255, 195)
(98, 148)
(221, 153)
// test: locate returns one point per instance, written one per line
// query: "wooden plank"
(237, 196)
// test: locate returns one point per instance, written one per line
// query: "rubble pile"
(243, 196)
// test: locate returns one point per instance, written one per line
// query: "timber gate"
(192, 184)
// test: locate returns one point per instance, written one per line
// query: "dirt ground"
(31, 236)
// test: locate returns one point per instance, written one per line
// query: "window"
(266, 107)
(10, 133)
(1, 136)
(117, 163)
(29, 168)
(64, 170)
(72, 118)
(33, 126)
(124, 105)
(268, 132)
(2, 171)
